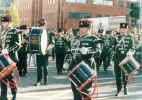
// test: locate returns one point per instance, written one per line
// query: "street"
(58, 87)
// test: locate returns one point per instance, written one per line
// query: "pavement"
(58, 87)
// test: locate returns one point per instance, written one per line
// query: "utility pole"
(60, 14)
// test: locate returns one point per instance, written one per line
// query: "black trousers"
(42, 62)
(98, 61)
(59, 61)
(22, 64)
(120, 76)
(4, 88)
(106, 58)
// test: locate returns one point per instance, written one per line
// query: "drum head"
(44, 42)
(38, 41)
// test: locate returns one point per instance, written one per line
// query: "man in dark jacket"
(60, 50)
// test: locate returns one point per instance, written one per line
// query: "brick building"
(30, 11)
(67, 13)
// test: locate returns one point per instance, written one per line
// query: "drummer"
(124, 43)
(42, 62)
(6, 22)
(86, 41)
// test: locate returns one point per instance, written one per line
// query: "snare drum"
(81, 75)
(7, 66)
(129, 65)
(38, 41)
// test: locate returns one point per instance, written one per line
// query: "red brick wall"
(50, 11)
(83, 8)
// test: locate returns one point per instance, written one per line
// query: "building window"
(108, 2)
(50, 2)
(98, 2)
(121, 3)
(107, 15)
(103, 2)
(75, 15)
(99, 15)
(77, 1)
(53, 1)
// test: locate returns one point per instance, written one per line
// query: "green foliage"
(13, 11)
(135, 13)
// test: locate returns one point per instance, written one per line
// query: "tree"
(135, 12)
(13, 11)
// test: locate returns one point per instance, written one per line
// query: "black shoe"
(125, 91)
(24, 75)
(37, 84)
(45, 83)
(117, 94)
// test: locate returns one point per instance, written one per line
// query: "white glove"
(130, 53)
(4, 51)
(84, 50)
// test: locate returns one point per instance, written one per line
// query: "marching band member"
(42, 61)
(124, 43)
(60, 50)
(22, 53)
(98, 58)
(108, 46)
(86, 41)
(10, 40)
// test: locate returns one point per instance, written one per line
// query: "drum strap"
(92, 60)
(14, 81)
(119, 43)
(91, 95)
(130, 78)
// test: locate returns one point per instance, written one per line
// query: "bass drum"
(38, 41)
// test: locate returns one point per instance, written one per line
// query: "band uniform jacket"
(123, 45)
(87, 41)
(11, 40)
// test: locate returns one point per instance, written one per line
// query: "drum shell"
(129, 65)
(80, 74)
(4, 62)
